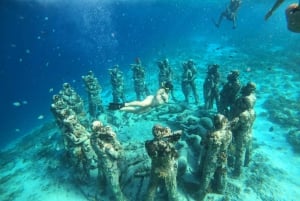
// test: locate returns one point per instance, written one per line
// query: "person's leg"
(223, 14)
(216, 97)
(234, 22)
(152, 187)
(144, 103)
(208, 171)
(185, 90)
(221, 179)
(171, 185)
(112, 176)
(248, 153)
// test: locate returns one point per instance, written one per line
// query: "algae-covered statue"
(229, 93)
(165, 74)
(117, 83)
(242, 127)
(211, 87)
(140, 85)
(163, 162)
(93, 89)
(188, 80)
(214, 167)
(109, 152)
(79, 145)
(74, 101)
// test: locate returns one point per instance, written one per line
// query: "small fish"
(40, 117)
(16, 104)
(27, 51)
(51, 90)
(24, 102)
(17, 130)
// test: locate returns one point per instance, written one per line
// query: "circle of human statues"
(188, 157)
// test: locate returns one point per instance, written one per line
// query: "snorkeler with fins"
(138, 107)
(230, 13)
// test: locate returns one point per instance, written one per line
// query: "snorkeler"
(161, 97)
(292, 14)
(230, 13)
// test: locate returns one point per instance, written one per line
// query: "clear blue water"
(46, 43)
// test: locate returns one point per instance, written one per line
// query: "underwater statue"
(229, 93)
(188, 80)
(80, 148)
(241, 127)
(140, 85)
(163, 156)
(93, 89)
(214, 168)
(109, 152)
(165, 74)
(117, 83)
(211, 87)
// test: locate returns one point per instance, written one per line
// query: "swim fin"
(115, 106)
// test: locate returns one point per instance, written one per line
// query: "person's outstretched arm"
(275, 6)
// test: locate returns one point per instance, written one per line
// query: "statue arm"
(112, 152)
(75, 139)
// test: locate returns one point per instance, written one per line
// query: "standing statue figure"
(246, 91)
(109, 152)
(74, 101)
(214, 167)
(229, 94)
(140, 86)
(117, 83)
(93, 89)
(165, 75)
(165, 72)
(230, 13)
(211, 87)
(163, 162)
(242, 127)
(57, 108)
(61, 111)
(80, 148)
(188, 80)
